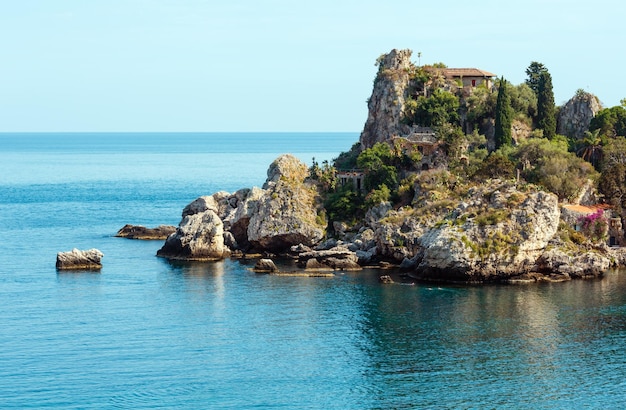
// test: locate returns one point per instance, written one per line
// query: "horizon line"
(179, 132)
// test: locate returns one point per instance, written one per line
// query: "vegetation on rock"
(474, 144)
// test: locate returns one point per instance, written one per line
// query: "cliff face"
(386, 105)
(489, 232)
(503, 238)
(576, 114)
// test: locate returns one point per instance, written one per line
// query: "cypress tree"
(546, 110)
(533, 72)
(504, 114)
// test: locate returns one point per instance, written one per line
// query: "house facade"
(574, 214)
(470, 77)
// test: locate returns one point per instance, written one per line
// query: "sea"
(146, 333)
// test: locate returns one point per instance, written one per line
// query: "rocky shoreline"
(497, 231)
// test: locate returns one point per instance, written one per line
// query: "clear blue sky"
(276, 65)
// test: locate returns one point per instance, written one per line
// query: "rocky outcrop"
(287, 211)
(79, 260)
(481, 233)
(520, 131)
(577, 113)
(141, 232)
(199, 237)
(581, 265)
(489, 240)
(281, 214)
(386, 105)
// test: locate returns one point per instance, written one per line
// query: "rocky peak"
(286, 167)
(577, 113)
(386, 105)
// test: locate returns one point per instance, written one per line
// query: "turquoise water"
(145, 333)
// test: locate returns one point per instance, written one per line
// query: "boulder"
(79, 260)
(141, 232)
(265, 266)
(338, 258)
(282, 214)
(199, 236)
(287, 211)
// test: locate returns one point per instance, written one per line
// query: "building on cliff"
(470, 77)
(395, 87)
(352, 177)
(574, 215)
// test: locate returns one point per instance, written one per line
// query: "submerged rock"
(79, 260)
(385, 279)
(141, 232)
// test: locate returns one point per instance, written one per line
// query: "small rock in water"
(265, 266)
(79, 260)
(141, 232)
(385, 279)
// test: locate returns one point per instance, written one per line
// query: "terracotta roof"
(466, 72)
(582, 209)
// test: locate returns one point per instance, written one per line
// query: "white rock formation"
(79, 260)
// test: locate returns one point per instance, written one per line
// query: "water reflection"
(397, 346)
(487, 345)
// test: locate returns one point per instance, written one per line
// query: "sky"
(276, 65)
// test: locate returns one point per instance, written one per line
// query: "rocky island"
(456, 177)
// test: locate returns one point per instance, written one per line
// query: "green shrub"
(492, 217)
(377, 196)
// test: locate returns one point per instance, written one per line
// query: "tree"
(480, 106)
(533, 72)
(590, 148)
(440, 108)
(614, 152)
(377, 164)
(504, 113)
(496, 165)
(546, 110)
(523, 100)
(612, 185)
(549, 164)
(610, 121)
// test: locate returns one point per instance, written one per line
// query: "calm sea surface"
(145, 333)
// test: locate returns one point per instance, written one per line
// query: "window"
(473, 83)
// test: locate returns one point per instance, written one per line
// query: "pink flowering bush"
(594, 226)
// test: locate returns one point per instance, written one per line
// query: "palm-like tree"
(590, 148)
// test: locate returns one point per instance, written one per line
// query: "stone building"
(572, 215)
(470, 77)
